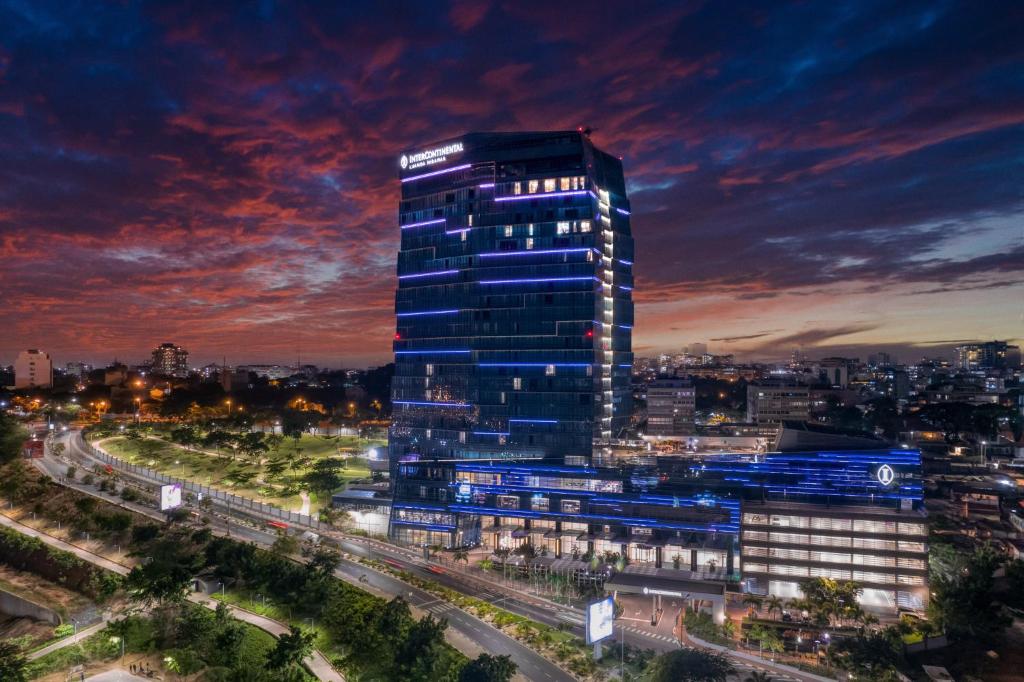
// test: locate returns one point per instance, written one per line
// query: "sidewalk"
(68, 641)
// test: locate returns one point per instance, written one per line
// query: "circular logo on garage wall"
(404, 162)
(885, 474)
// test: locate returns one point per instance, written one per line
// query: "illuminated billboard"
(600, 620)
(170, 496)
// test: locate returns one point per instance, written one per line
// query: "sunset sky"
(845, 176)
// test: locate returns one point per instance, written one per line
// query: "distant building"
(78, 369)
(170, 360)
(233, 380)
(774, 403)
(670, 407)
(115, 375)
(880, 359)
(989, 355)
(835, 371)
(33, 368)
(698, 349)
(268, 371)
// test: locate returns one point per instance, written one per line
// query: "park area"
(295, 474)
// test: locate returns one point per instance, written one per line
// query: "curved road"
(465, 627)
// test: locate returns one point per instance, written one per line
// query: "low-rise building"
(775, 403)
(671, 406)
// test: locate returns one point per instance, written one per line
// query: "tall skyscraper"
(170, 360)
(514, 306)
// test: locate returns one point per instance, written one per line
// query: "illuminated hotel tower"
(514, 304)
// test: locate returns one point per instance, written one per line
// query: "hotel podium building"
(513, 355)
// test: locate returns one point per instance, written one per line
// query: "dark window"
(449, 198)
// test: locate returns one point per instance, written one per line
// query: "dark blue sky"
(842, 175)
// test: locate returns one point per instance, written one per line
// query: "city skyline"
(244, 206)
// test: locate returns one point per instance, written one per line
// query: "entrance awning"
(631, 583)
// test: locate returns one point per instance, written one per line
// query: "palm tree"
(461, 555)
(753, 603)
(773, 604)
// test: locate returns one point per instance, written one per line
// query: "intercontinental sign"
(429, 157)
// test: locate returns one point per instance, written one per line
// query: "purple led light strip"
(427, 274)
(438, 172)
(425, 222)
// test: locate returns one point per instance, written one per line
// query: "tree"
(290, 649)
(831, 599)
(324, 561)
(690, 665)
(758, 676)
(962, 603)
(285, 545)
(773, 604)
(487, 668)
(12, 435)
(422, 651)
(871, 656)
(13, 664)
(461, 555)
(325, 477)
(752, 602)
(171, 562)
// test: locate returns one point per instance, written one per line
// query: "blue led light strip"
(431, 404)
(458, 231)
(622, 211)
(486, 185)
(539, 279)
(491, 433)
(428, 274)
(533, 421)
(543, 195)
(428, 352)
(438, 172)
(427, 312)
(496, 254)
(423, 223)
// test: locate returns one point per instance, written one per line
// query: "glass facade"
(514, 304)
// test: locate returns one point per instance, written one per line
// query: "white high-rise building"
(33, 368)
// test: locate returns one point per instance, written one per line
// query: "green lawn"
(244, 477)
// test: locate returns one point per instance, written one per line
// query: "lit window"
(508, 230)
(462, 436)
(566, 183)
(529, 243)
(517, 383)
(430, 370)
(463, 235)
(563, 227)
(549, 185)
(529, 229)
(534, 186)
(517, 188)
(549, 370)
(584, 226)
(469, 218)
